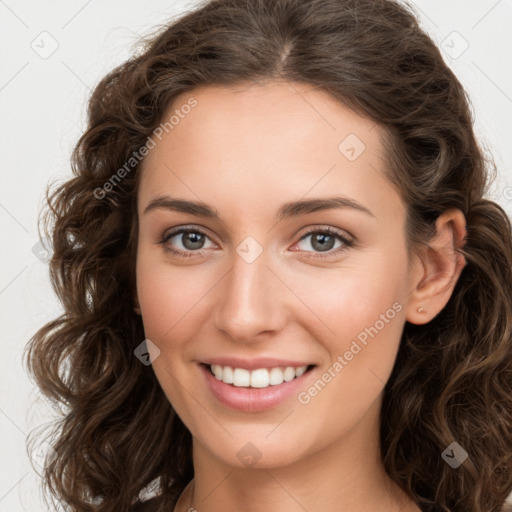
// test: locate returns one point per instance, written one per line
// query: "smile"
(259, 378)
(257, 389)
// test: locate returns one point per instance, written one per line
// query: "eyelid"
(327, 229)
(168, 234)
(347, 240)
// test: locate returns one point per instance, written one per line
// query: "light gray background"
(42, 101)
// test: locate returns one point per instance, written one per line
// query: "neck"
(347, 475)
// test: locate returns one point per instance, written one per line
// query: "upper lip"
(254, 363)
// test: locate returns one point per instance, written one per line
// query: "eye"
(192, 241)
(323, 240)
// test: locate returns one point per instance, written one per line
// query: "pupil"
(322, 245)
(193, 240)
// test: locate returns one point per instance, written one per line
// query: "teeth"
(276, 376)
(289, 374)
(241, 377)
(227, 374)
(300, 371)
(260, 378)
(217, 371)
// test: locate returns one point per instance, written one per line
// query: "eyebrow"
(287, 210)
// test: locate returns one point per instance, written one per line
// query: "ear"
(437, 269)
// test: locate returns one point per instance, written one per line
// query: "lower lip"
(253, 399)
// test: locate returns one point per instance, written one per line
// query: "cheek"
(169, 297)
(364, 309)
(362, 313)
(367, 292)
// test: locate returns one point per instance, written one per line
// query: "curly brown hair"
(452, 380)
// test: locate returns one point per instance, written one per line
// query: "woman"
(284, 288)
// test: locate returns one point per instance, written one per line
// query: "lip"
(255, 364)
(254, 399)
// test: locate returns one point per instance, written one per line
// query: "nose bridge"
(249, 299)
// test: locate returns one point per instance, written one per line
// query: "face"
(270, 275)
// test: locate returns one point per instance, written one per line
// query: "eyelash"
(347, 243)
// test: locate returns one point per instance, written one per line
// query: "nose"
(251, 301)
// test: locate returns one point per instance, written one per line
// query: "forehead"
(259, 144)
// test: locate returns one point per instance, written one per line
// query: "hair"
(452, 379)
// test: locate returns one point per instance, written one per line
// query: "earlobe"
(441, 265)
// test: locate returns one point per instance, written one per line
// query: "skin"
(245, 151)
